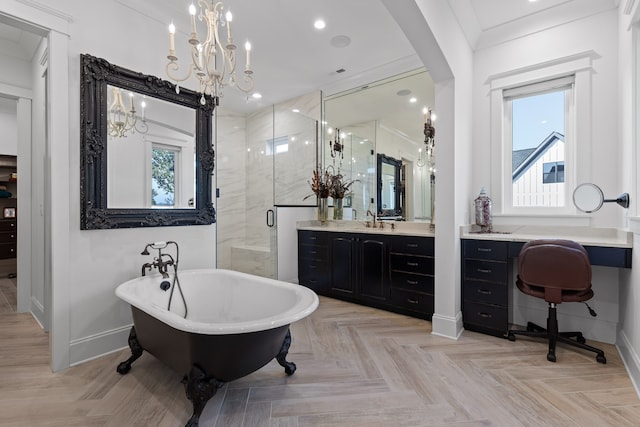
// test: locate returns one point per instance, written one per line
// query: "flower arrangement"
(339, 188)
(327, 184)
(320, 184)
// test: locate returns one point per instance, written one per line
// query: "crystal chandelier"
(213, 61)
(120, 120)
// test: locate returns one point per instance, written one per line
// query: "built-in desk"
(487, 263)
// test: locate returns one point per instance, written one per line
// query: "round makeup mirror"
(589, 198)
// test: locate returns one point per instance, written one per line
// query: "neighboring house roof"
(523, 159)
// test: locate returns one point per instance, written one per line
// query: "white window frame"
(177, 185)
(577, 155)
(565, 83)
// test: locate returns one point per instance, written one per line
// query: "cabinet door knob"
(412, 282)
(484, 270)
(412, 245)
(412, 301)
(485, 315)
(484, 292)
(484, 249)
(412, 264)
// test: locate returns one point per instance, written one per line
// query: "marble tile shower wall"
(231, 157)
(247, 170)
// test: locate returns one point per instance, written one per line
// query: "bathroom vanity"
(391, 269)
(488, 267)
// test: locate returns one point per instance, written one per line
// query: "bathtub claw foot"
(289, 367)
(136, 351)
(199, 390)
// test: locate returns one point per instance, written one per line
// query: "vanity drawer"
(491, 271)
(487, 316)
(412, 245)
(8, 225)
(7, 236)
(314, 252)
(412, 282)
(411, 263)
(483, 249)
(485, 292)
(412, 301)
(7, 250)
(308, 237)
(313, 274)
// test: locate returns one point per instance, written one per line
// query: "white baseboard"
(445, 326)
(98, 345)
(631, 360)
(37, 311)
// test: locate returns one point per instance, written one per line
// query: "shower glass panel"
(264, 160)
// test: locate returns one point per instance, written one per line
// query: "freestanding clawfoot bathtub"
(220, 325)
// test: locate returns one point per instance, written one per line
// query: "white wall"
(436, 36)
(601, 121)
(99, 260)
(9, 132)
(628, 341)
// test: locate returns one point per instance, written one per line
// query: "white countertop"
(401, 228)
(588, 236)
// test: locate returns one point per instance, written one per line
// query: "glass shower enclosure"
(263, 162)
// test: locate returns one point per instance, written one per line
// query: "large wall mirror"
(384, 117)
(146, 150)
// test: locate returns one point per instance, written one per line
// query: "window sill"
(569, 220)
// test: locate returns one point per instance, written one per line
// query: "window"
(537, 117)
(553, 172)
(163, 176)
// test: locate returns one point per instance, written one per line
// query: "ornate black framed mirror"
(146, 153)
(389, 187)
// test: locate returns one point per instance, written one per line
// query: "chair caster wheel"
(511, 337)
(551, 357)
(601, 359)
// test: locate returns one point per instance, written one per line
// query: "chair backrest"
(556, 264)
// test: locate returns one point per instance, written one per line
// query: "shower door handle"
(270, 218)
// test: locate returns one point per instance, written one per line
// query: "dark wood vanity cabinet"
(379, 270)
(485, 286)
(313, 260)
(412, 273)
(8, 238)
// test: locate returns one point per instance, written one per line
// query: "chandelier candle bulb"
(247, 46)
(229, 17)
(192, 12)
(172, 41)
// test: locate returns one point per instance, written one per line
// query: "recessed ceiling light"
(319, 24)
(257, 95)
(403, 92)
(412, 100)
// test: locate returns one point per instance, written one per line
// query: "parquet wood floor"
(357, 367)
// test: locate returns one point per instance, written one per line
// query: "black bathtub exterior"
(206, 361)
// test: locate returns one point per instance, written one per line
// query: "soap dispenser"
(483, 211)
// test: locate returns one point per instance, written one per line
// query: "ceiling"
(290, 57)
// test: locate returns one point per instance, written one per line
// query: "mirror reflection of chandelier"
(429, 137)
(337, 146)
(120, 120)
(213, 62)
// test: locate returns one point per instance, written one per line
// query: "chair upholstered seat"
(557, 271)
